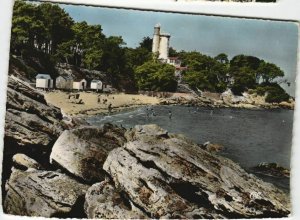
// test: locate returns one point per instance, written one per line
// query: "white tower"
(156, 39)
(164, 47)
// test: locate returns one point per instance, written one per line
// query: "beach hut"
(79, 84)
(64, 82)
(96, 84)
(44, 81)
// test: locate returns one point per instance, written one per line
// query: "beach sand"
(91, 106)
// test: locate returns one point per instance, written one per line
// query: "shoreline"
(87, 104)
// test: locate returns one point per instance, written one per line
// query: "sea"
(249, 136)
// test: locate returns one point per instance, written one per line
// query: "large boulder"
(43, 193)
(29, 119)
(82, 151)
(31, 125)
(169, 177)
(24, 162)
(102, 200)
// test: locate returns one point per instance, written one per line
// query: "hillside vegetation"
(44, 35)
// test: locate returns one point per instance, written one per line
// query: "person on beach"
(99, 100)
(109, 108)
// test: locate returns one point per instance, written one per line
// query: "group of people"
(104, 101)
(152, 113)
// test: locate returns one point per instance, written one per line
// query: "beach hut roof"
(43, 76)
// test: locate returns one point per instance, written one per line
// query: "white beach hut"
(44, 81)
(79, 84)
(96, 85)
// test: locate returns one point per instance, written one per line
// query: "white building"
(79, 84)
(44, 81)
(160, 44)
(64, 82)
(175, 61)
(96, 85)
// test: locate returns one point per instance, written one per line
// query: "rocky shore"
(223, 100)
(54, 167)
(91, 103)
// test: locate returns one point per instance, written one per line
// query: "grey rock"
(29, 119)
(168, 177)
(102, 200)
(42, 193)
(212, 147)
(272, 169)
(82, 151)
(25, 162)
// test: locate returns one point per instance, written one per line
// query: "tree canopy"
(48, 34)
(156, 76)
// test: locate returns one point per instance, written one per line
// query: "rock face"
(29, 119)
(168, 177)
(83, 151)
(143, 172)
(42, 193)
(272, 169)
(31, 125)
(102, 200)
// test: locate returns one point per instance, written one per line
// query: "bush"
(277, 95)
(156, 76)
(274, 92)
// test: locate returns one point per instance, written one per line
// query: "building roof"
(43, 76)
(165, 35)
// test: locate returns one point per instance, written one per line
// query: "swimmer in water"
(170, 114)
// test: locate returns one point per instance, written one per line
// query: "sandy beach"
(94, 103)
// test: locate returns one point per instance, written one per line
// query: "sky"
(273, 41)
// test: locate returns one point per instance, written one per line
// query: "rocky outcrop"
(272, 169)
(24, 162)
(168, 177)
(212, 147)
(102, 200)
(29, 119)
(31, 126)
(144, 172)
(82, 151)
(43, 193)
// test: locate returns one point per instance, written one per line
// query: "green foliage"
(269, 71)
(172, 52)
(204, 72)
(244, 79)
(222, 58)
(245, 61)
(275, 93)
(155, 76)
(146, 43)
(44, 34)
